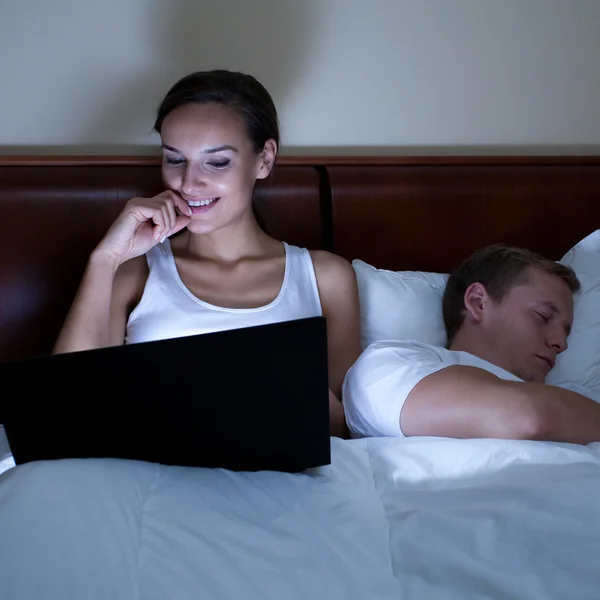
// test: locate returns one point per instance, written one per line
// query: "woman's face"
(209, 160)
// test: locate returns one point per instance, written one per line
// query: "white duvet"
(422, 519)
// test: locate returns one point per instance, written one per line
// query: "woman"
(219, 133)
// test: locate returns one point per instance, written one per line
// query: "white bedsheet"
(424, 519)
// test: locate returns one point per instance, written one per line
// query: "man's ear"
(476, 299)
(267, 158)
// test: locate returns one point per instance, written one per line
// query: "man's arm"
(468, 402)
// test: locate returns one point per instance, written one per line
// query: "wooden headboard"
(396, 213)
(430, 214)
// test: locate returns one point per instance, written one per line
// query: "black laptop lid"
(246, 399)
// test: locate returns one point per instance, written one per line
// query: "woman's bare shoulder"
(331, 266)
(336, 277)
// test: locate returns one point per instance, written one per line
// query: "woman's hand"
(143, 223)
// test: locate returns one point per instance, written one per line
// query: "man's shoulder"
(407, 349)
(421, 355)
(383, 357)
(387, 371)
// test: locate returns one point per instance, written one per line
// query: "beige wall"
(439, 76)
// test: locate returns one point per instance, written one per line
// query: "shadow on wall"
(264, 38)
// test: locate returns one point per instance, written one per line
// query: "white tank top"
(168, 309)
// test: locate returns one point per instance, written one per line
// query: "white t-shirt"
(378, 384)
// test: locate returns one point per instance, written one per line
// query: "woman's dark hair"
(241, 92)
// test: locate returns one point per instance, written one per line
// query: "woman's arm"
(338, 290)
(116, 272)
(107, 294)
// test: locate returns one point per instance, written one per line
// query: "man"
(508, 313)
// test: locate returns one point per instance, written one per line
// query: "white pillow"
(580, 363)
(398, 305)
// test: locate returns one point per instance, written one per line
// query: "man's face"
(528, 328)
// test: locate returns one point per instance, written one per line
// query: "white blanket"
(422, 519)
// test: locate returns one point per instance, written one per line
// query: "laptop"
(248, 399)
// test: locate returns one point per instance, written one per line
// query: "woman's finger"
(172, 215)
(167, 220)
(158, 219)
(183, 207)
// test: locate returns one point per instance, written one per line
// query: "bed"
(421, 518)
